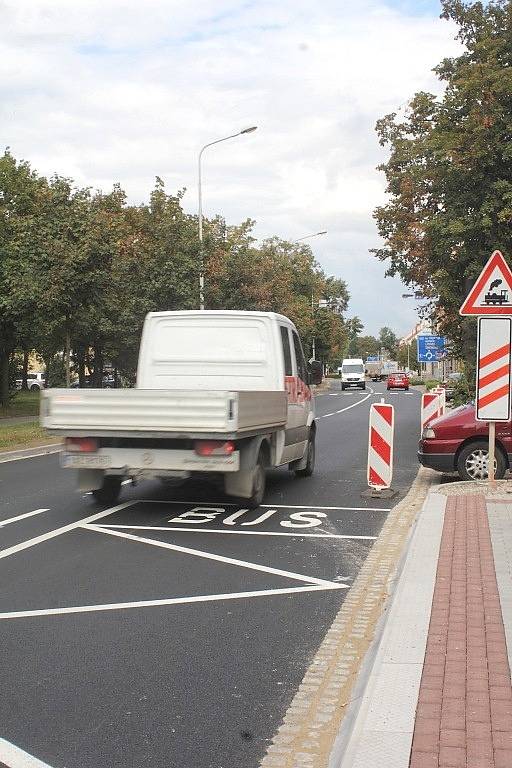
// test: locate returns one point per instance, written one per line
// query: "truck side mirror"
(316, 372)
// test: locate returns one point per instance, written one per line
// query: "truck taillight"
(214, 447)
(81, 444)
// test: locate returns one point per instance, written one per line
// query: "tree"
(21, 191)
(368, 345)
(408, 355)
(388, 341)
(449, 174)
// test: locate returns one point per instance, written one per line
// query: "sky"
(106, 91)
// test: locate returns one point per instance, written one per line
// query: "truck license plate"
(86, 460)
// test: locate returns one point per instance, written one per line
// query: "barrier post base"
(379, 493)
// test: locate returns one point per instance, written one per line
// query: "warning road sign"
(493, 369)
(492, 292)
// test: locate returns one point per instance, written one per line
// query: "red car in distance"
(457, 442)
(398, 380)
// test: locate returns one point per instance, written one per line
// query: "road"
(174, 629)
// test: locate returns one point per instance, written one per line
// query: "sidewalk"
(439, 694)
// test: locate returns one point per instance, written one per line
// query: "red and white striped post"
(380, 446)
(441, 392)
(430, 408)
(493, 377)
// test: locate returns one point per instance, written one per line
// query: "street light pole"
(200, 202)
(315, 234)
(297, 240)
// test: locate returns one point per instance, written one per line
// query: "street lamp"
(315, 234)
(201, 265)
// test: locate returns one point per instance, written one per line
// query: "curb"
(28, 453)
(312, 723)
(378, 733)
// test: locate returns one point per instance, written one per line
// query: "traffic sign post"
(491, 300)
(493, 369)
(492, 292)
(493, 377)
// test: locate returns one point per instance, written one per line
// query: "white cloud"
(121, 91)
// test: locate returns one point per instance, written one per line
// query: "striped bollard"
(441, 392)
(430, 408)
(380, 451)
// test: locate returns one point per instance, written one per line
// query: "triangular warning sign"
(492, 292)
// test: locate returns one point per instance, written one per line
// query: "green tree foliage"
(408, 355)
(388, 341)
(368, 345)
(449, 174)
(80, 270)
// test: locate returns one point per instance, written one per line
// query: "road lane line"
(222, 530)
(64, 529)
(13, 757)
(156, 603)
(212, 556)
(23, 517)
(348, 407)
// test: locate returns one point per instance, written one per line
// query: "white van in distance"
(221, 393)
(352, 373)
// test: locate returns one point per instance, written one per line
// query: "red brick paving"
(464, 712)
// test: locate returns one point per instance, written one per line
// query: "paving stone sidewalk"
(439, 693)
(464, 710)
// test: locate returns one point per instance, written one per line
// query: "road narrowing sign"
(492, 292)
(380, 445)
(493, 377)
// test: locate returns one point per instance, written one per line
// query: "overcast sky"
(107, 91)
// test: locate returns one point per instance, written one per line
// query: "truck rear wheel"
(258, 484)
(310, 463)
(109, 491)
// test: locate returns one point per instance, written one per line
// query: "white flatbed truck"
(222, 393)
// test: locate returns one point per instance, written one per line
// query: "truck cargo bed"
(142, 412)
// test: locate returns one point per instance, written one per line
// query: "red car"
(456, 442)
(398, 381)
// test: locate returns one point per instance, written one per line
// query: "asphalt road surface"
(174, 629)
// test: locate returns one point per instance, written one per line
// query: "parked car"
(35, 382)
(449, 384)
(456, 442)
(398, 380)
(108, 382)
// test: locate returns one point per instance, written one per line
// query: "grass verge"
(22, 404)
(14, 437)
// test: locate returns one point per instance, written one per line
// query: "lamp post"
(200, 201)
(315, 234)
(297, 240)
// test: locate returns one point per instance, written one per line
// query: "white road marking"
(267, 506)
(348, 407)
(14, 757)
(212, 556)
(6, 458)
(126, 482)
(155, 603)
(222, 530)
(23, 517)
(59, 531)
